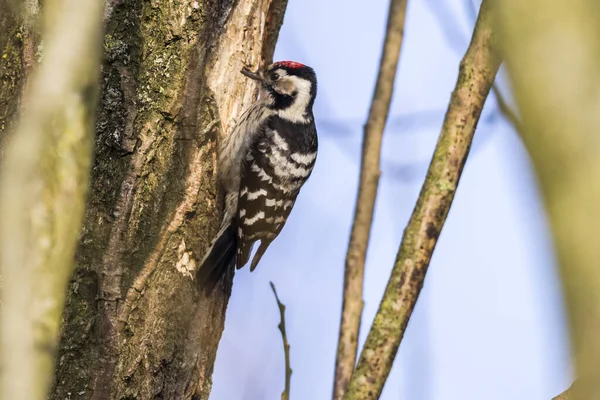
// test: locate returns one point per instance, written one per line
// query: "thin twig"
(505, 109)
(367, 191)
(476, 76)
(285, 395)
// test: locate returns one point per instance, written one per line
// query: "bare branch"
(365, 203)
(285, 395)
(476, 76)
(505, 109)
(44, 183)
(553, 59)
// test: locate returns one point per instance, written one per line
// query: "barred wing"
(271, 181)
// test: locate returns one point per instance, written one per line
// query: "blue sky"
(489, 323)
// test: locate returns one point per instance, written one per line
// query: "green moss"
(115, 49)
(78, 317)
(11, 77)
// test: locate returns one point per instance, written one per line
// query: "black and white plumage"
(262, 166)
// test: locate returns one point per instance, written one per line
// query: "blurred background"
(489, 323)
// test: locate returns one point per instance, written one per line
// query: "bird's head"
(290, 88)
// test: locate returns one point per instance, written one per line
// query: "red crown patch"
(290, 64)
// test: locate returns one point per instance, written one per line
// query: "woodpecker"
(262, 165)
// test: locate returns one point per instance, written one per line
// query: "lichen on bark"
(10, 64)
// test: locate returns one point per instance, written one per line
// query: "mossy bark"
(11, 76)
(135, 326)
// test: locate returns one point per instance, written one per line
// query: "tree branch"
(365, 203)
(285, 395)
(505, 109)
(476, 76)
(44, 182)
(553, 59)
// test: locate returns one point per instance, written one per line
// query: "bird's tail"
(219, 257)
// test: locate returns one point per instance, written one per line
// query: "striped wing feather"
(276, 168)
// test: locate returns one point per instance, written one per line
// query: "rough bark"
(553, 59)
(135, 326)
(476, 76)
(11, 63)
(365, 204)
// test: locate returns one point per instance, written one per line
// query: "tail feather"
(259, 253)
(219, 257)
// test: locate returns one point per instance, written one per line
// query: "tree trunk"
(135, 326)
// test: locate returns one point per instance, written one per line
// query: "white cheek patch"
(296, 111)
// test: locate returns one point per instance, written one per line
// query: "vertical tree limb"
(553, 60)
(285, 395)
(365, 203)
(44, 183)
(476, 76)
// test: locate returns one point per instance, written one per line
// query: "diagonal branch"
(365, 204)
(476, 76)
(285, 395)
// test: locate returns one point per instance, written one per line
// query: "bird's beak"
(252, 75)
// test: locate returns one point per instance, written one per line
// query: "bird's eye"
(274, 76)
